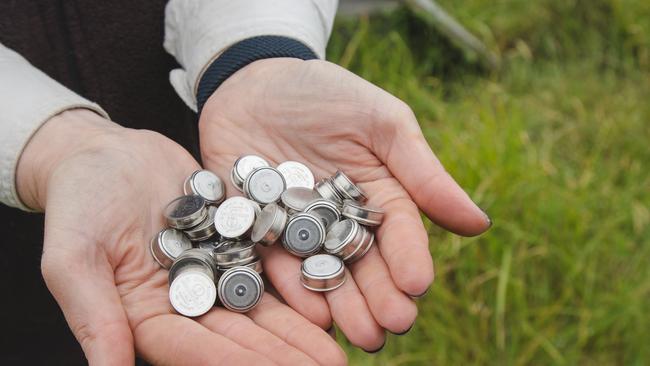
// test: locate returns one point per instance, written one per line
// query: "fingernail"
(404, 332)
(420, 295)
(487, 218)
(377, 350)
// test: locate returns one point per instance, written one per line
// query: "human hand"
(320, 114)
(103, 188)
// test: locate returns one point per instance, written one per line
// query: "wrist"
(56, 140)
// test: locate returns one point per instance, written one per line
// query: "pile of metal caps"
(210, 245)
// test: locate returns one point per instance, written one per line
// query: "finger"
(353, 317)
(81, 280)
(399, 143)
(283, 270)
(241, 329)
(171, 339)
(392, 309)
(297, 331)
(402, 238)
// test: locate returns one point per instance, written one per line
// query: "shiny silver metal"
(295, 199)
(322, 272)
(363, 247)
(240, 289)
(264, 185)
(206, 184)
(297, 174)
(304, 235)
(365, 215)
(185, 212)
(326, 210)
(242, 167)
(325, 188)
(209, 245)
(344, 239)
(346, 187)
(256, 207)
(167, 245)
(254, 263)
(192, 290)
(205, 229)
(269, 225)
(234, 217)
(234, 253)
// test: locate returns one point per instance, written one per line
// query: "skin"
(318, 113)
(103, 189)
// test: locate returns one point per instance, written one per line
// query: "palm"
(107, 221)
(328, 118)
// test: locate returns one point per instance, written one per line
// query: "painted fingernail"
(404, 332)
(377, 350)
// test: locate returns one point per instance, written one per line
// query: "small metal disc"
(365, 215)
(304, 235)
(167, 245)
(362, 249)
(240, 289)
(209, 245)
(295, 199)
(206, 184)
(343, 238)
(205, 229)
(297, 174)
(322, 272)
(269, 225)
(326, 210)
(232, 253)
(243, 166)
(346, 187)
(256, 207)
(325, 188)
(254, 263)
(196, 260)
(192, 293)
(185, 211)
(234, 217)
(264, 185)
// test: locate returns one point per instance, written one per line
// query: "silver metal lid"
(192, 293)
(322, 272)
(205, 229)
(296, 174)
(167, 245)
(269, 225)
(243, 166)
(240, 289)
(304, 235)
(254, 263)
(232, 253)
(206, 184)
(326, 210)
(346, 187)
(365, 215)
(196, 260)
(234, 217)
(325, 188)
(297, 198)
(185, 211)
(343, 238)
(363, 248)
(264, 185)
(209, 245)
(256, 207)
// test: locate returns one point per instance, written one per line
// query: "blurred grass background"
(555, 147)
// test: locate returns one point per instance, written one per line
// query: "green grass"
(556, 147)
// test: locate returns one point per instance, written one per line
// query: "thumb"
(399, 143)
(81, 280)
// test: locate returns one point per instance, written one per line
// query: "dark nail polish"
(377, 350)
(404, 332)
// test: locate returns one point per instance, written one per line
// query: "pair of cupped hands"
(103, 188)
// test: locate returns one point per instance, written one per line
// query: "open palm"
(104, 203)
(328, 118)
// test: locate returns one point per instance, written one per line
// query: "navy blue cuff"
(243, 53)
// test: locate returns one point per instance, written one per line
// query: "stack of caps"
(210, 245)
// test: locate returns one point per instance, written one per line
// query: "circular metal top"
(366, 215)
(326, 210)
(304, 235)
(322, 266)
(205, 229)
(341, 234)
(269, 225)
(297, 198)
(246, 164)
(240, 289)
(347, 188)
(167, 245)
(231, 253)
(207, 185)
(264, 185)
(192, 293)
(193, 258)
(234, 217)
(297, 174)
(185, 211)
